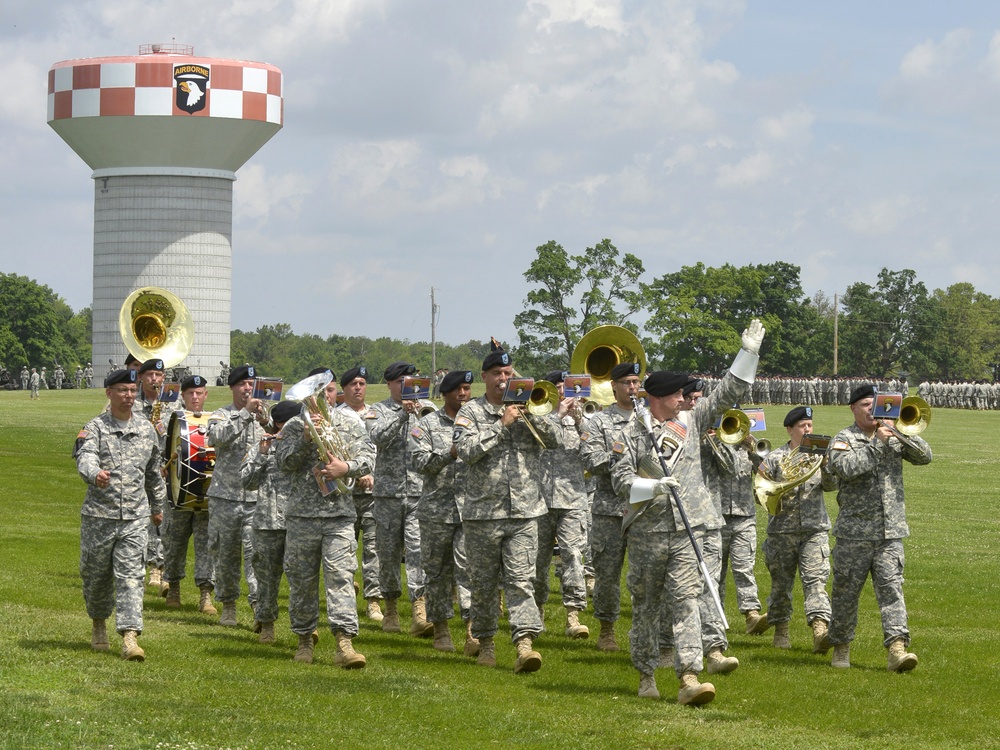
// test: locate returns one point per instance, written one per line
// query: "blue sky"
(439, 143)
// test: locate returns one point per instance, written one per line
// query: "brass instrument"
(424, 408)
(597, 354)
(590, 408)
(325, 436)
(914, 416)
(543, 399)
(796, 467)
(154, 323)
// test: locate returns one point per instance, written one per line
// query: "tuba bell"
(154, 323)
(599, 351)
(326, 437)
(543, 399)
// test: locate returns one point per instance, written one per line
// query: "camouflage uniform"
(232, 432)
(78, 376)
(320, 530)
(396, 493)
(600, 446)
(501, 501)
(870, 529)
(739, 535)
(33, 382)
(662, 561)
(154, 547)
(59, 376)
(797, 537)
(260, 473)
(566, 499)
(88, 375)
(365, 529)
(114, 518)
(442, 541)
(25, 377)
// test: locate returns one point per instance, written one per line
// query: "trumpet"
(325, 436)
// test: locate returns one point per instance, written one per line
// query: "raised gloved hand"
(753, 336)
(662, 486)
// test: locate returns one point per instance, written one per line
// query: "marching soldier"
(867, 458)
(354, 383)
(232, 431)
(118, 456)
(662, 558)
(442, 542)
(181, 524)
(320, 530)
(501, 502)
(397, 491)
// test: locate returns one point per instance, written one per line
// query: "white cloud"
(931, 58)
(880, 217)
(791, 127)
(599, 14)
(747, 172)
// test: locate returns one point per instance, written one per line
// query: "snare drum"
(191, 461)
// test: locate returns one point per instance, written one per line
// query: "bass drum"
(191, 461)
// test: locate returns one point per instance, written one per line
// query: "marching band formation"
(474, 496)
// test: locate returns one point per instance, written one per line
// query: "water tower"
(164, 132)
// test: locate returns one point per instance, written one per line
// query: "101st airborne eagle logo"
(192, 87)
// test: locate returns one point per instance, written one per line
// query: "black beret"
(193, 381)
(119, 376)
(151, 364)
(556, 376)
(285, 410)
(241, 373)
(499, 358)
(798, 414)
(455, 378)
(130, 359)
(861, 392)
(320, 371)
(625, 369)
(693, 384)
(354, 372)
(397, 370)
(665, 382)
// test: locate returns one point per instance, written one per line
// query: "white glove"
(753, 336)
(662, 486)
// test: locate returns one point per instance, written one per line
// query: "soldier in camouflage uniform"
(442, 541)
(397, 491)
(566, 520)
(232, 431)
(501, 503)
(150, 374)
(118, 456)
(33, 383)
(259, 472)
(871, 525)
(59, 376)
(797, 538)
(662, 560)
(181, 524)
(78, 376)
(600, 446)
(88, 375)
(354, 383)
(25, 377)
(320, 529)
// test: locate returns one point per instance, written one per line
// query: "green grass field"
(203, 686)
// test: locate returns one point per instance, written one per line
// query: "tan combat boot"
(205, 605)
(304, 653)
(130, 647)
(719, 663)
(899, 659)
(781, 639)
(228, 617)
(420, 627)
(528, 660)
(694, 693)
(756, 623)
(574, 628)
(821, 637)
(390, 622)
(666, 659)
(99, 636)
(164, 586)
(841, 656)
(647, 686)
(266, 632)
(471, 643)
(174, 594)
(606, 640)
(154, 579)
(442, 637)
(589, 583)
(487, 653)
(374, 611)
(346, 656)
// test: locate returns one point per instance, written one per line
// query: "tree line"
(690, 319)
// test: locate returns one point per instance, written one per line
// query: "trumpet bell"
(599, 351)
(733, 427)
(914, 416)
(590, 408)
(544, 398)
(154, 323)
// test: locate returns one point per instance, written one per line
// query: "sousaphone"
(155, 324)
(599, 351)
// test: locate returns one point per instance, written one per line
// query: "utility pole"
(434, 313)
(836, 321)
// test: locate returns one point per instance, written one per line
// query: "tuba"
(796, 468)
(154, 323)
(599, 351)
(325, 436)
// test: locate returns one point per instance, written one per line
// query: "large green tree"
(34, 323)
(958, 339)
(572, 295)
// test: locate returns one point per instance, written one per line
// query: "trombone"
(544, 397)
(914, 416)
